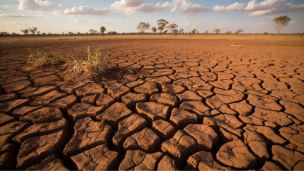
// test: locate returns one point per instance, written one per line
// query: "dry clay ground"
(205, 104)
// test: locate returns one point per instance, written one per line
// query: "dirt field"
(166, 103)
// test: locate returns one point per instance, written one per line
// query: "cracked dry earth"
(182, 104)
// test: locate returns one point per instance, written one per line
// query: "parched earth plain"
(163, 105)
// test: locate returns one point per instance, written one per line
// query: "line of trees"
(32, 30)
(162, 25)
(6, 34)
(280, 22)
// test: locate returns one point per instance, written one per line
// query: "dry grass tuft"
(39, 59)
(95, 64)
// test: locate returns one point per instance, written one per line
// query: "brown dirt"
(163, 104)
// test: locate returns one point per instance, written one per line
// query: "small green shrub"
(90, 67)
(39, 59)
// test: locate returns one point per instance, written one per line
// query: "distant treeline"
(4, 34)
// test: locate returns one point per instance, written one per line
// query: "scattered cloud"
(36, 5)
(190, 24)
(233, 7)
(52, 18)
(138, 6)
(125, 20)
(104, 21)
(111, 21)
(253, 6)
(19, 23)
(83, 10)
(18, 16)
(289, 7)
(79, 21)
(267, 10)
(187, 7)
(148, 8)
(123, 4)
(269, 18)
(4, 6)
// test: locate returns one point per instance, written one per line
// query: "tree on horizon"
(181, 31)
(161, 25)
(217, 31)
(193, 31)
(33, 30)
(239, 31)
(154, 29)
(280, 22)
(142, 26)
(102, 30)
(92, 31)
(172, 27)
(25, 31)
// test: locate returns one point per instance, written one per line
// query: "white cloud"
(233, 7)
(289, 7)
(190, 24)
(265, 24)
(36, 5)
(264, 5)
(111, 21)
(122, 4)
(293, 22)
(83, 10)
(263, 12)
(121, 20)
(148, 8)
(79, 21)
(19, 23)
(4, 6)
(104, 21)
(52, 18)
(18, 16)
(60, 5)
(269, 18)
(138, 6)
(187, 7)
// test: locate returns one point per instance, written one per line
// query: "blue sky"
(57, 16)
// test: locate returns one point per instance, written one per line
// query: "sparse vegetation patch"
(95, 64)
(40, 58)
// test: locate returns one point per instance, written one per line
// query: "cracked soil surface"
(163, 105)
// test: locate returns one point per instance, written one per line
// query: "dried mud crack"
(187, 104)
